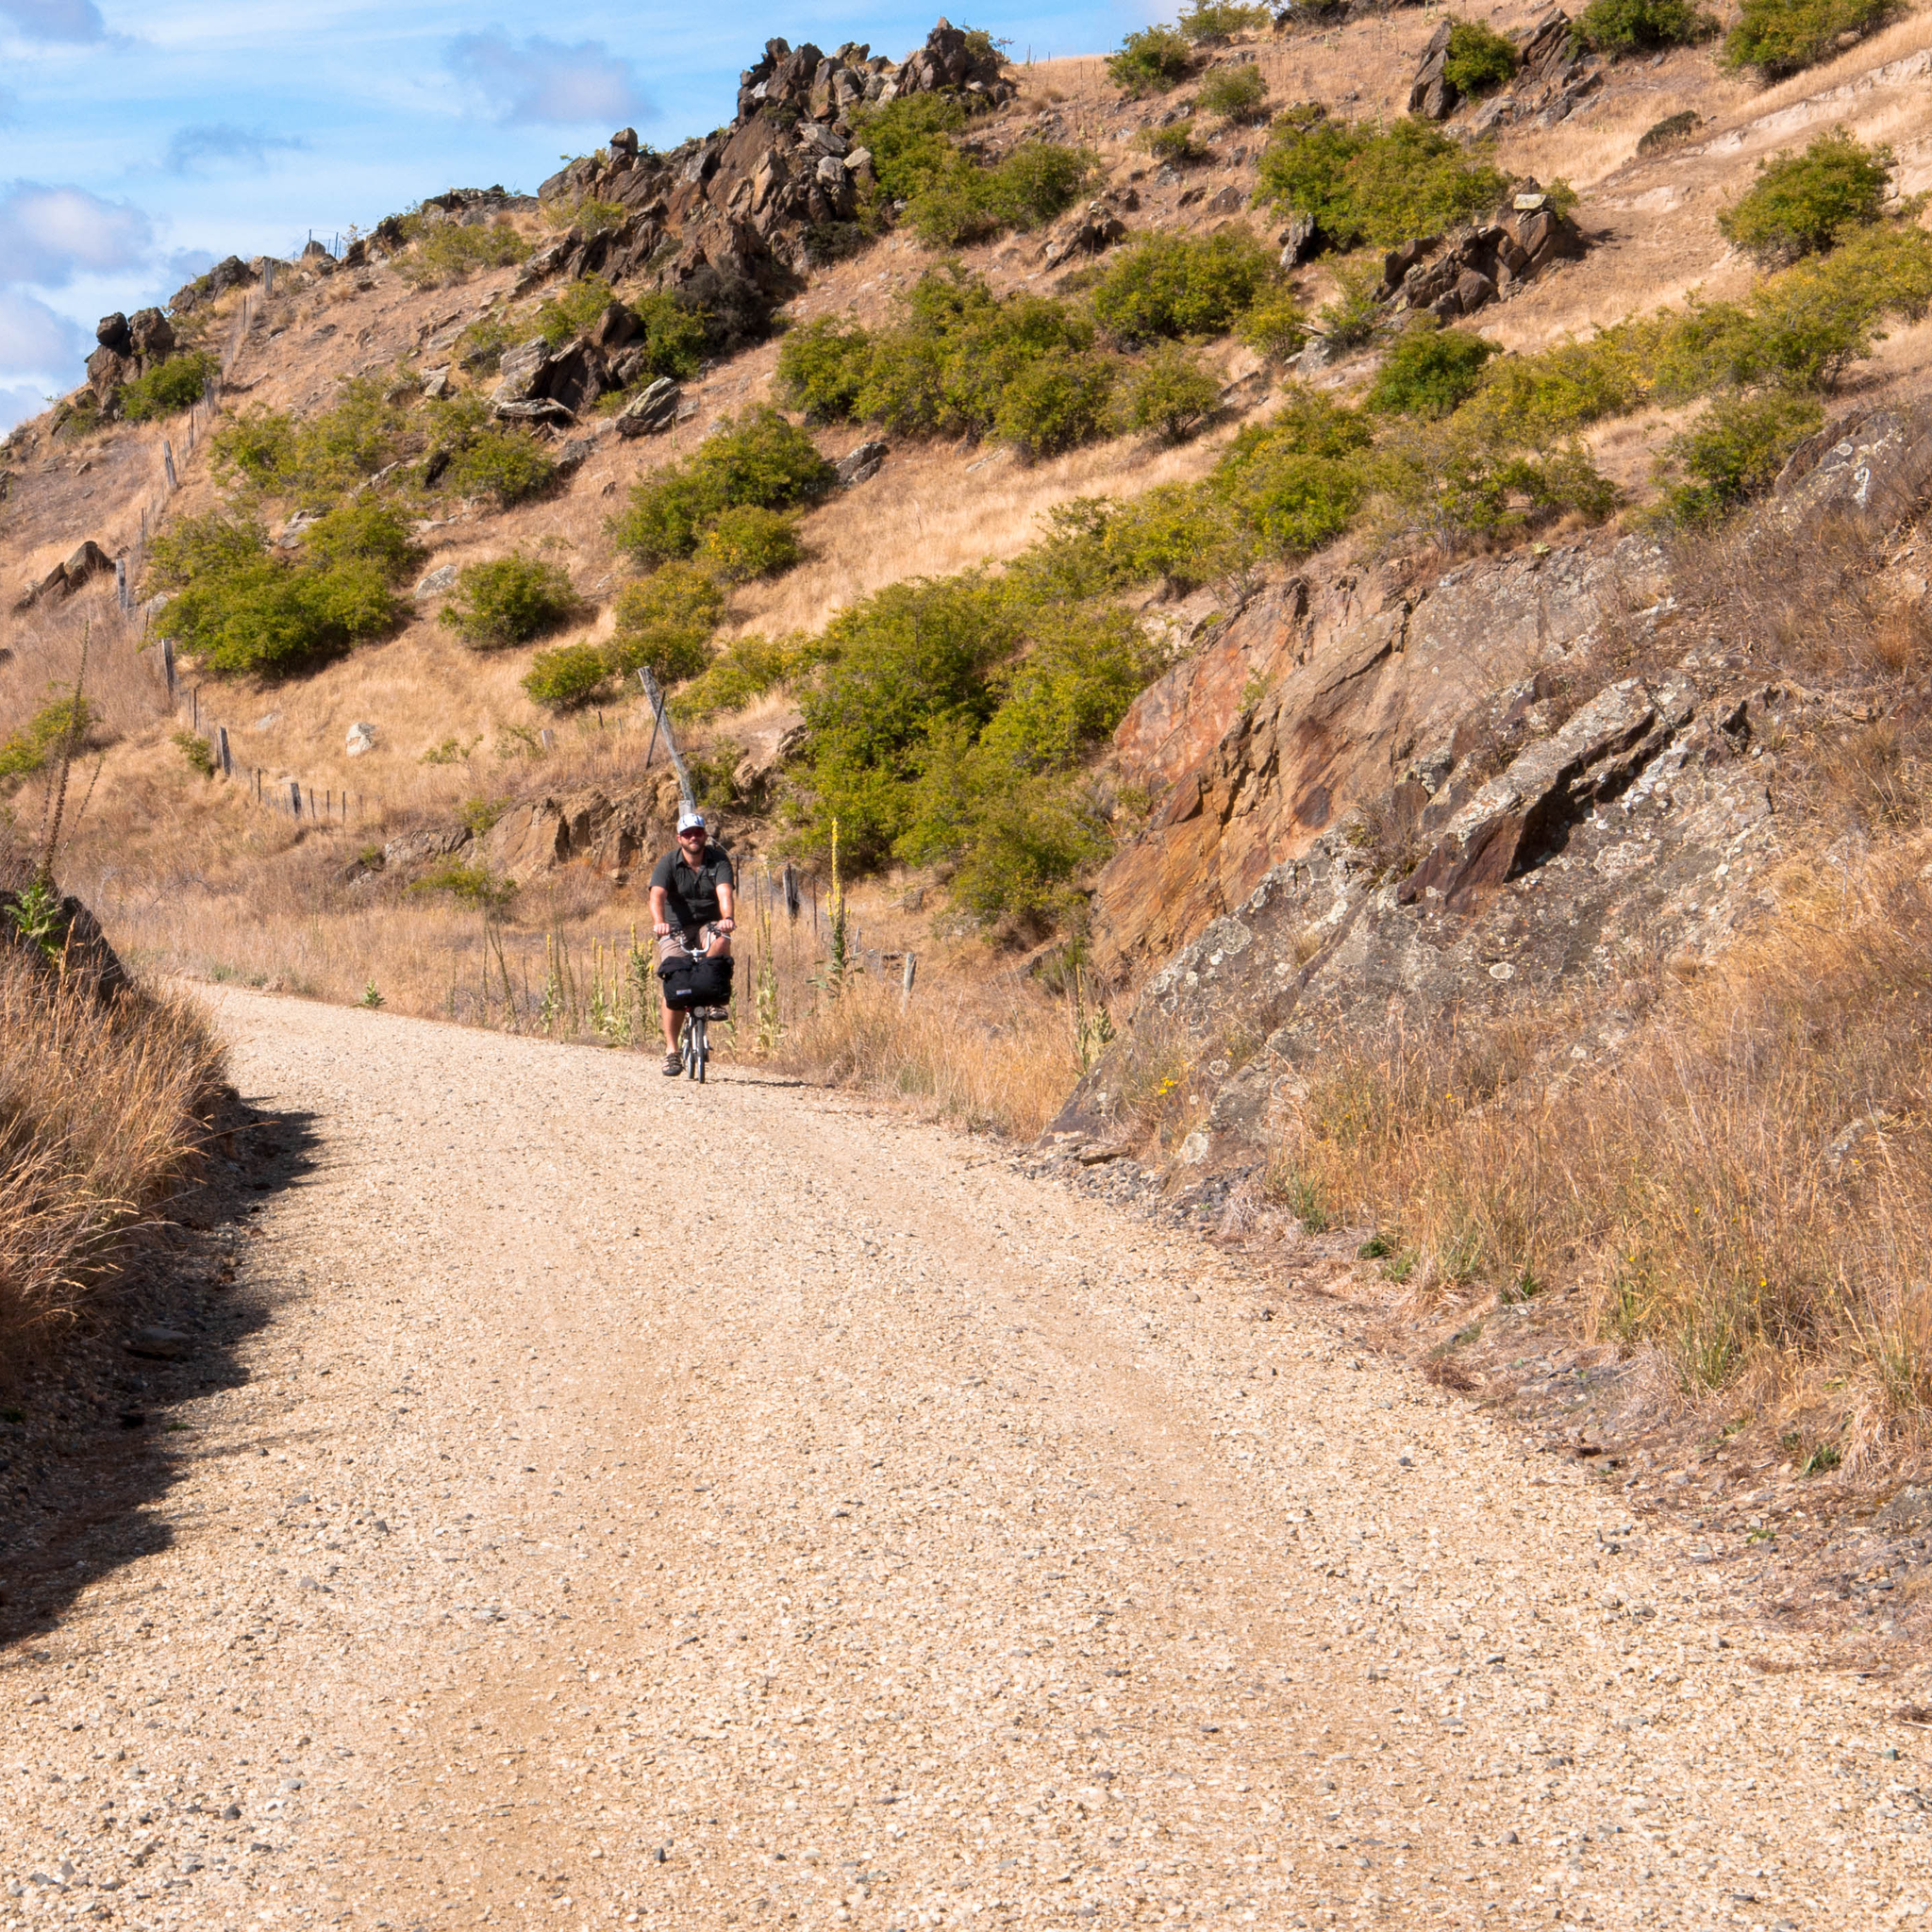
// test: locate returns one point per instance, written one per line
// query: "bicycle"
(694, 1041)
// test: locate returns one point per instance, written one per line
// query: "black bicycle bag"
(695, 980)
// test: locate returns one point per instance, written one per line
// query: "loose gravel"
(653, 1505)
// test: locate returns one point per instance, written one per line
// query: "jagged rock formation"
(87, 560)
(1554, 77)
(1457, 274)
(733, 220)
(129, 347)
(1522, 784)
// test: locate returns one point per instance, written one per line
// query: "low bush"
(1782, 37)
(508, 600)
(1641, 27)
(953, 197)
(1237, 95)
(568, 677)
(1365, 183)
(758, 460)
(1667, 132)
(1478, 59)
(239, 607)
(1276, 326)
(1176, 286)
(472, 455)
(472, 885)
(673, 333)
(319, 456)
(168, 387)
(1429, 371)
(743, 672)
(1733, 451)
(1801, 204)
(447, 250)
(747, 543)
(1154, 61)
(195, 753)
(1221, 20)
(1354, 316)
(664, 623)
(962, 361)
(60, 721)
(1175, 144)
(1171, 393)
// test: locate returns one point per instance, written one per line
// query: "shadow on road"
(91, 1426)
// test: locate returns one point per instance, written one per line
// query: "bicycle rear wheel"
(703, 1050)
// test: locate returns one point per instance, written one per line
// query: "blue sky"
(140, 143)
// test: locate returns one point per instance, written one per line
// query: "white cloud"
(193, 150)
(18, 402)
(54, 20)
(33, 337)
(547, 81)
(50, 235)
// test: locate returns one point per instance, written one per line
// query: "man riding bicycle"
(692, 894)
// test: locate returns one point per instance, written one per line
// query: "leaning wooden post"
(907, 978)
(222, 751)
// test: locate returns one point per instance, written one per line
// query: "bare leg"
(671, 1023)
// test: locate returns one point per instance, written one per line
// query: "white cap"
(690, 822)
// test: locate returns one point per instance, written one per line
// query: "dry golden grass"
(99, 1123)
(1749, 1189)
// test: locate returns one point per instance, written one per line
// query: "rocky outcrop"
(1457, 274)
(87, 560)
(129, 347)
(1554, 77)
(1530, 782)
(733, 222)
(74, 948)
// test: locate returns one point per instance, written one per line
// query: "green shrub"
(1056, 403)
(475, 886)
(1781, 37)
(1064, 697)
(1429, 371)
(1178, 533)
(664, 623)
(743, 672)
(1455, 480)
(363, 530)
(171, 386)
(508, 600)
(1733, 451)
(1297, 481)
(319, 458)
(1220, 19)
(675, 334)
(1235, 94)
(568, 677)
(963, 362)
(1478, 59)
(1174, 144)
(25, 751)
(196, 752)
(821, 368)
(1801, 204)
(240, 608)
(1171, 393)
(573, 310)
(449, 251)
(747, 543)
(759, 459)
(1364, 183)
(1356, 316)
(1641, 27)
(479, 348)
(910, 141)
(1276, 326)
(1154, 61)
(1180, 284)
(596, 217)
(476, 456)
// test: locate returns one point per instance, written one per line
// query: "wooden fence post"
(907, 978)
(222, 751)
(294, 798)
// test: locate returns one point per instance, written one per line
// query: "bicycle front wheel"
(703, 1050)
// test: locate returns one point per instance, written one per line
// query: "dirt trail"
(655, 1506)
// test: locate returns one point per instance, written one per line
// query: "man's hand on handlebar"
(662, 929)
(723, 925)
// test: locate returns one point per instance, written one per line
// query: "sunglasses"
(696, 832)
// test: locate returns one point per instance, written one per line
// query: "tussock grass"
(98, 1127)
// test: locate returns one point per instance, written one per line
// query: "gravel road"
(646, 1505)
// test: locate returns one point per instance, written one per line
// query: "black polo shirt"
(691, 892)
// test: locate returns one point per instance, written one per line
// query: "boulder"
(360, 740)
(437, 582)
(1096, 229)
(84, 950)
(1432, 96)
(418, 848)
(521, 372)
(1875, 466)
(152, 334)
(436, 383)
(859, 466)
(652, 410)
(107, 370)
(111, 332)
